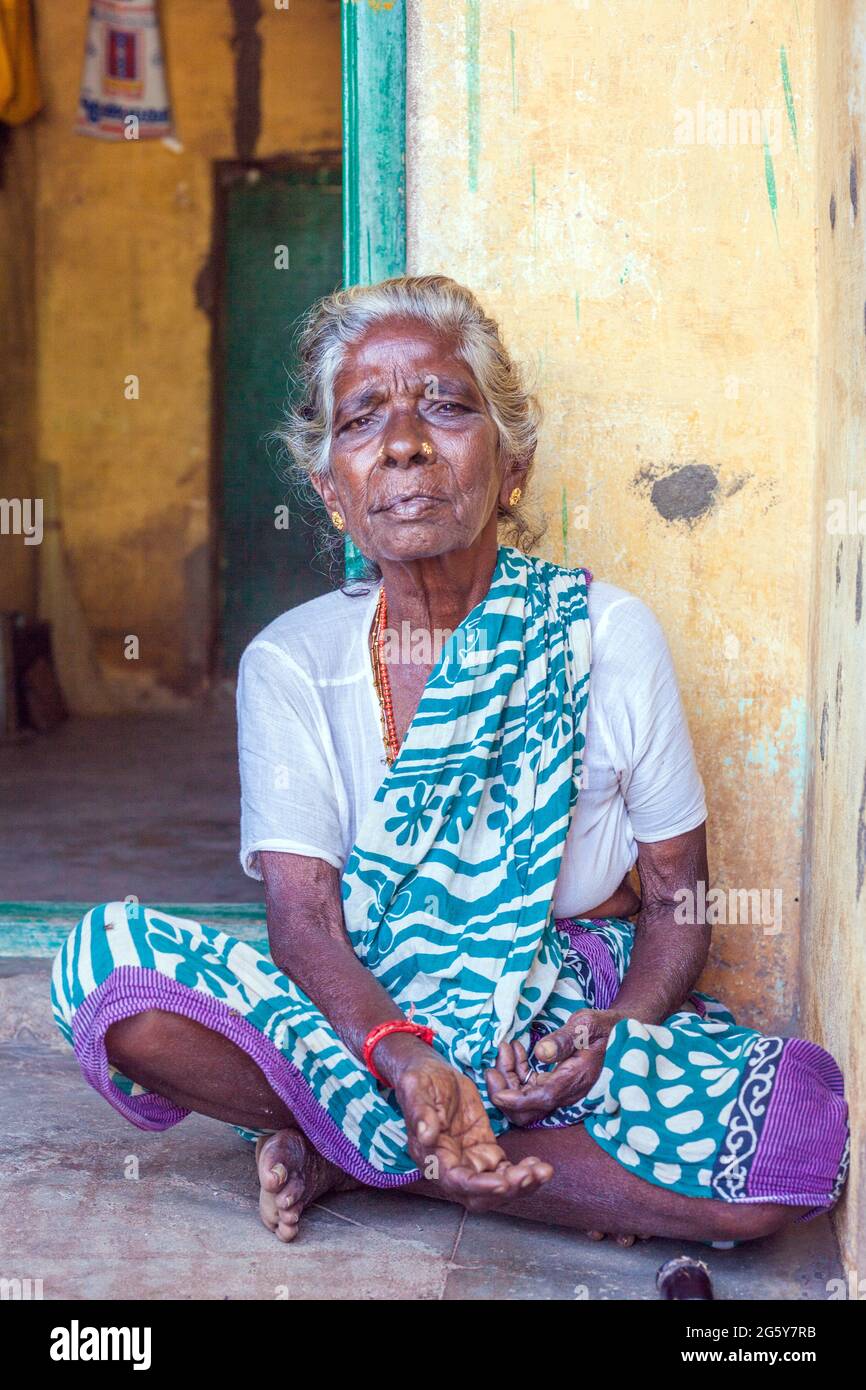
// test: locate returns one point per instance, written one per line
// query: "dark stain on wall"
(858, 585)
(838, 693)
(838, 566)
(825, 729)
(852, 181)
(685, 494)
(832, 212)
(247, 48)
(204, 287)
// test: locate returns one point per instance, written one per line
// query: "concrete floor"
(148, 805)
(187, 1226)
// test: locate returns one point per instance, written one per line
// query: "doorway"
(279, 247)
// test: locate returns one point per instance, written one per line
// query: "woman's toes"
(268, 1213)
(289, 1179)
(291, 1176)
(625, 1241)
(275, 1178)
(290, 1196)
(289, 1223)
(268, 1210)
(272, 1157)
(281, 1186)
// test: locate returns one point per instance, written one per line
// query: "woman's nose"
(404, 450)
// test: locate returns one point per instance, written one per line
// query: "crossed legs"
(202, 1071)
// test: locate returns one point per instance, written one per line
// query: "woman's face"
(415, 466)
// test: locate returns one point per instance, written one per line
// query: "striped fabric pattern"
(447, 893)
(447, 898)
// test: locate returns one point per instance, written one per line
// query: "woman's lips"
(412, 506)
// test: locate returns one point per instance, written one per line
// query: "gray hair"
(337, 321)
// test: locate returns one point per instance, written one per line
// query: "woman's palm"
(452, 1142)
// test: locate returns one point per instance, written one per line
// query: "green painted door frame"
(374, 150)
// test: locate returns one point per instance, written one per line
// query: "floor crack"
(450, 1265)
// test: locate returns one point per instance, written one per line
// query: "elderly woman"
(448, 773)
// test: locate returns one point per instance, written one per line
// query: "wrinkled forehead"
(402, 356)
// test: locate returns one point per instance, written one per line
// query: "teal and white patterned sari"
(447, 897)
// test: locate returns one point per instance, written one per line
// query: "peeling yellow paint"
(680, 419)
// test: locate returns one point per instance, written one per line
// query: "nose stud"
(425, 449)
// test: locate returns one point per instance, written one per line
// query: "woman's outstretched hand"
(577, 1050)
(451, 1140)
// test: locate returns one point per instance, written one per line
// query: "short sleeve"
(291, 798)
(660, 782)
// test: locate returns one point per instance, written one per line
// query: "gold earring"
(338, 521)
(515, 496)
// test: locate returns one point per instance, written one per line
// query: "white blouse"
(311, 752)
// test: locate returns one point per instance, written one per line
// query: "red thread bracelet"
(384, 1030)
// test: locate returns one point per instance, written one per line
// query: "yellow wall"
(834, 950)
(124, 231)
(18, 374)
(665, 291)
(703, 375)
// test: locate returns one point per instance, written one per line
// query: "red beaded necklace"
(381, 680)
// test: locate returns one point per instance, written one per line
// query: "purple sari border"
(805, 1073)
(133, 989)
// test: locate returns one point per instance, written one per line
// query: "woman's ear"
(325, 488)
(514, 476)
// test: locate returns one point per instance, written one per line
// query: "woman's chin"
(413, 540)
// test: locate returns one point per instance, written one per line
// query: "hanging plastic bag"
(124, 93)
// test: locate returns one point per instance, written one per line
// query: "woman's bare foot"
(625, 1241)
(292, 1175)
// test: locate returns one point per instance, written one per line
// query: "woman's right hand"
(451, 1140)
